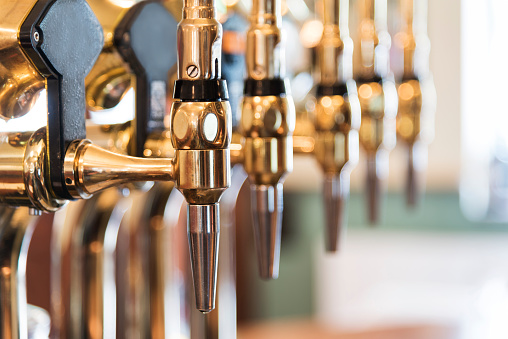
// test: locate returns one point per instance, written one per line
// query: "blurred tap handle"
(144, 40)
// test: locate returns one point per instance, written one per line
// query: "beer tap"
(416, 94)
(378, 97)
(75, 168)
(201, 130)
(265, 144)
(336, 117)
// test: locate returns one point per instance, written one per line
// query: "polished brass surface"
(377, 137)
(329, 127)
(263, 56)
(20, 82)
(23, 170)
(200, 41)
(84, 237)
(108, 82)
(377, 94)
(378, 116)
(329, 51)
(410, 108)
(267, 124)
(201, 135)
(415, 90)
(371, 55)
(109, 13)
(16, 227)
(89, 169)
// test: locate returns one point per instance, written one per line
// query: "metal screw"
(36, 36)
(193, 71)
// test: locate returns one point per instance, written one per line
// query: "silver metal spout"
(412, 181)
(203, 229)
(375, 178)
(267, 207)
(336, 194)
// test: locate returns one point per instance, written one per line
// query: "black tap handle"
(146, 39)
(63, 39)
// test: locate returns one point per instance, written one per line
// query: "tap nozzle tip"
(374, 194)
(267, 207)
(413, 188)
(336, 192)
(204, 230)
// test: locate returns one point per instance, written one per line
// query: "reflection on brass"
(328, 128)
(263, 57)
(373, 41)
(410, 108)
(414, 121)
(201, 134)
(377, 94)
(89, 169)
(20, 82)
(23, 170)
(16, 227)
(266, 126)
(107, 83)
(200, 41)
(109, 80)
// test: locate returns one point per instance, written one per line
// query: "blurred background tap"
(334, 111)
(266, 127)
(378, 97)
(416, 93)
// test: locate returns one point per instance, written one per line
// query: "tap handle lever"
(63, 40)
(146, 37)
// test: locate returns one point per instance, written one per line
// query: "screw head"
(193, 71)
(36, 36)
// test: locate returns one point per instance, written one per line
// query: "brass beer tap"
(416, 95)
(378, 97)
(265, 143)
(336, 118)
(201, 130)
(57, 164)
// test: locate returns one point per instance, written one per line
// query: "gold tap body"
(336, 117)
(201, 128)
(416, 94)
(377, 95)
(266, 128)
(20, 82)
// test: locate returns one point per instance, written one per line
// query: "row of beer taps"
(118, 265)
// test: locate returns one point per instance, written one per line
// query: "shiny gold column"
(416, 95)
(201, 133)
(266, 126)
(377, 95)
(336, 119)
